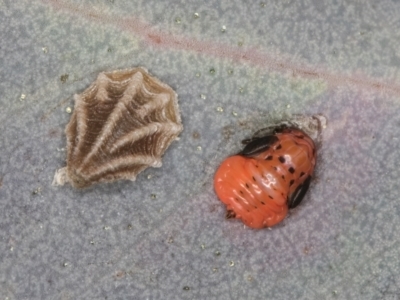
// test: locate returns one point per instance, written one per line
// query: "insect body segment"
(270, 175)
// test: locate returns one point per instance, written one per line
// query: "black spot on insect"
(313, 151)
(269, 157)
(301, 174)
(237, 200)
(230, 214)
(275, 168)
(254, 179)
(270, 197)
(281, 128)
(282, 159)
(247, 186)
(283, 177)
(262, 202)
(299, 193)
(300, 136)
(241, 192)
(258, 145)
(278, 147)
(291, 170)
(291, 182)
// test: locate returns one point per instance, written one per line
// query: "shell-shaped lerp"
(121, 124)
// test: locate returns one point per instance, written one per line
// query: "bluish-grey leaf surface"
(236, 66)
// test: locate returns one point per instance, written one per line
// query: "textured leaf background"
(236, 66)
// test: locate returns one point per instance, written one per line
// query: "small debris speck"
(65, 264)
(212, 71)
(37, 191)
(217, 253)
(153, 196)
(220, 109)
(68, 110)
(149, 176)
(45, 50)
(231, 263)
(198, 148)
(22, 97)
(196, 15)
(241, 90)
(262, 4)
(203, 246)
(178, 20)
(106, 227)
(288, 106)
(202, 96)
(64, 78)
(186, 288)
(234, 113)
(215, 270)
(198, 74)
(230, 71)
(223, 28)
(120, 274)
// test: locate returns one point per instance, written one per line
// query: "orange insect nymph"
(269, 176)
